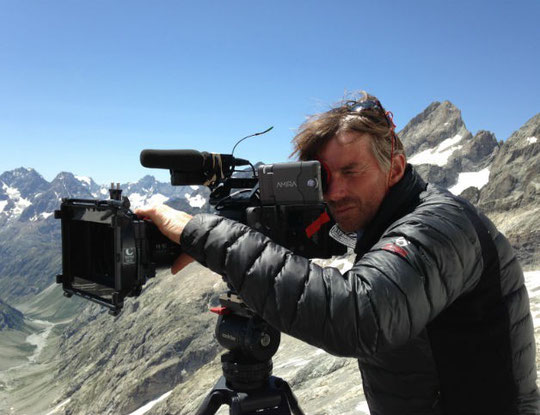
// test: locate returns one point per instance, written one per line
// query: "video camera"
(108, 253)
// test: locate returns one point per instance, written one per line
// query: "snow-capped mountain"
(25, 196)
(499, 177)
(17, 188)
(444, 152)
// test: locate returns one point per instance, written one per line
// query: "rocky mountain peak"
(63, 176)
(66, 184)
(437, 123)
(438, 143)
(24, 180)
(147, 182)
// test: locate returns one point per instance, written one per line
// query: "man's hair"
(319, 129)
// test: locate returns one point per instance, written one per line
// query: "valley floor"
(28, 365)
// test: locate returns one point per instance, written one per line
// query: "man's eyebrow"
(351, 165)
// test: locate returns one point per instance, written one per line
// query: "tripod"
(247, 385)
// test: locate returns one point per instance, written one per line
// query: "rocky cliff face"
(513, 182)
(510, 198)
(10, 318)
(115, 365)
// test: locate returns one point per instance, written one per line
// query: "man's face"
(358, 185)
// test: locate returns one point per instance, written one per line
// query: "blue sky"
(86, 85)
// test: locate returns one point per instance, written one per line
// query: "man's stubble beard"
(354, 219)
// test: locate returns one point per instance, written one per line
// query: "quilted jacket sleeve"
(387, 298)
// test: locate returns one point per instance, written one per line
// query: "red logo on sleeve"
(397, 247)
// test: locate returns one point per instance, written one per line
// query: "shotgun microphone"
(192, 166)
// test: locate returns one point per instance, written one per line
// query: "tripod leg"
(212, 403)
(293, 402)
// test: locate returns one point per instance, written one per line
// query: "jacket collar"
(400, 200)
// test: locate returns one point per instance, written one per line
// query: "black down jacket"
(435, 308)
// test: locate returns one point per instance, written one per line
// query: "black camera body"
(108, 253)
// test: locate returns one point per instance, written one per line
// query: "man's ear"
(398, 169)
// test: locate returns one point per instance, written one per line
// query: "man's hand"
(171, 223)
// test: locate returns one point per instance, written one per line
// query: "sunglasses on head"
(370, 105)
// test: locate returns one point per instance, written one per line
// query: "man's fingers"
(148, 212)
(170, 222)
(181, 262)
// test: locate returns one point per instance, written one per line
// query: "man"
(435, 308)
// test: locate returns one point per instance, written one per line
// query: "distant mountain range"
(25, 196)
(163, 339)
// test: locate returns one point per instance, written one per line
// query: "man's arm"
(386, 299)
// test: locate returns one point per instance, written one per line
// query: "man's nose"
(335, 190)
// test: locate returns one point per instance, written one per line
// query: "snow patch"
(157, 199)
(39, 340)
(318, 352)
(532, 140)
(196, 201)
(11, 191)
(3, 204)
(58, 407)
(20, 202)
(84, 179)
(43, 215)
(143, 409)
(532, 282)
(439, 155)
(137, 200)
(20, 205)
(294, 362)
(532, 279)
(363, 408)
(194, 187)
(477, 179)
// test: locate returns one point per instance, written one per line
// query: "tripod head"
(251, 342)
(243, 332)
